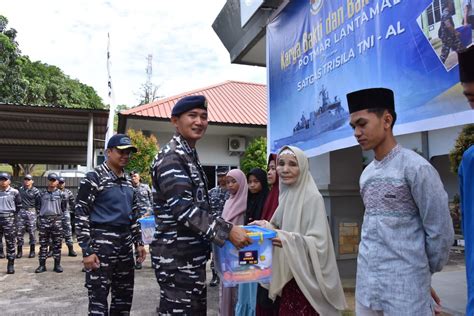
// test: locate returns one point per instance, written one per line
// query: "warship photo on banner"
(327, 116)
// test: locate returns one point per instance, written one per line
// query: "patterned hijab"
(256, 201)
(271, 203)
(235, 206)
(307, 254)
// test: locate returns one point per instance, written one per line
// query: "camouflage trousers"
(26, 221)
(8, 229)
(450, 42)
(113, 246)
(67, 228)
(181, 274)
(50, 228)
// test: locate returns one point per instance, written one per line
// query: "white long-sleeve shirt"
(406, 234)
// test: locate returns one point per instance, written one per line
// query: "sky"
(187, 54)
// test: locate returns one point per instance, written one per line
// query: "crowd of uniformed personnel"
(27, 209)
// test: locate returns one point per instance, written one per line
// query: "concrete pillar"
(337, 176)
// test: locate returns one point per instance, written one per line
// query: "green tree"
(147, 150)
(255, 155)
(464, 141)
(25, 82)
(12, 85)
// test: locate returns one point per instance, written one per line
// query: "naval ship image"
(329, 116)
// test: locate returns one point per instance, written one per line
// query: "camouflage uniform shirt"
(145, 199)
(29, 198)
(182, 209)
(218, 196)
(69, 196)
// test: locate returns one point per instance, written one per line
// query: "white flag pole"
(110, 122)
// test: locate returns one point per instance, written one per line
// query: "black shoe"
(19, 252)
(32, 251)
(42, 267)
(57, 266)
(2, 254)
(215, 280)
(10, 266)
(138, 266)
(71, 252)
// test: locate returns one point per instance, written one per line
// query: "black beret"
(188, 103)
(28, 176)
(370, 99)
(466, 64)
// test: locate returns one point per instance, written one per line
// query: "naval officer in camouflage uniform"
(145, 198)
(217, 196)
(449, 36)
(10, 205)
(26, 219)
(145, 202)
(185, 225)
(52, 203)
(66, 219)
(106, 227)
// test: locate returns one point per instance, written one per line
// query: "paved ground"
(50, 293)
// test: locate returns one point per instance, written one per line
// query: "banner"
(318, 51)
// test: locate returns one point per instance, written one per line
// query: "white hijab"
(307, 252)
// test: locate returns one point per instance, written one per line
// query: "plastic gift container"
(250, 264)
(148, 229)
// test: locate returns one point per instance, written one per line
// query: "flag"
(110, 122)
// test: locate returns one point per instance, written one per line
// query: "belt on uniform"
(5, 215)
(116, 229)
(50, 216)
(31, 209)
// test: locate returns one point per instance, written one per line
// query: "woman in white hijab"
(304, 265)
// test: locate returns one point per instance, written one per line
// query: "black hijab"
(255, 201)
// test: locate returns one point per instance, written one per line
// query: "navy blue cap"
(121, 141)
(188, 103)
(28, 176)
(222, 171)
(372, 98)
(5, 176)
(53, 176)
(61, 180)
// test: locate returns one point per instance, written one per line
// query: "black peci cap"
(371, 99)
(188, 103)
(466, 64)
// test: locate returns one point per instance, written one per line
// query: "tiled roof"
(230, 102)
